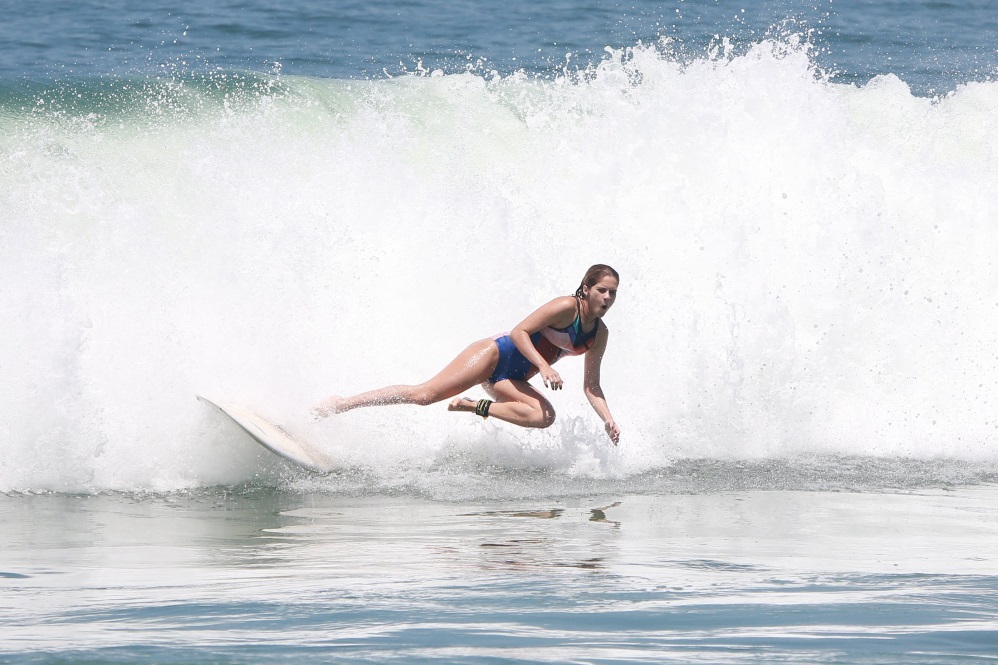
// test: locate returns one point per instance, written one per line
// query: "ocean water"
(276, 202)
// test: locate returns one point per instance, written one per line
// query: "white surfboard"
(274, 437)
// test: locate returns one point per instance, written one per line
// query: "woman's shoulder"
(565, 308)
(558, 313)
(564, 302)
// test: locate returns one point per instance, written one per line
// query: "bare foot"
(462, 404)
(328, 407)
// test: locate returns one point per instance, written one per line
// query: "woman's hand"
(551, 378)
(612, 431)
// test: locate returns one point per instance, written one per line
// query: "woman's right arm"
(558, 313)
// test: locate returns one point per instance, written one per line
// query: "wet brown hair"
(595, 274)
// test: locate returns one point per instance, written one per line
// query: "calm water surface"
(731, 577)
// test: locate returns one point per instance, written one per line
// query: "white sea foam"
(807, 267)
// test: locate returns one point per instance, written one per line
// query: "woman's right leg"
(472, 366)
(516, 402)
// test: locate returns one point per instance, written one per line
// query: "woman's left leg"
(472, 366)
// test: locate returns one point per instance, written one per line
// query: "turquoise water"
(933, 46)
(725, 578)
(274, 203)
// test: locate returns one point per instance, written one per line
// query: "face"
(601, 295)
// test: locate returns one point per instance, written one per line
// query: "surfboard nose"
(273, 437)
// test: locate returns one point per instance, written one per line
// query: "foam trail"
(806, 267)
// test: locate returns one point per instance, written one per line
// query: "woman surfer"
(568, 325)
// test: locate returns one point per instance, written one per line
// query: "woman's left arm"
(594, 358)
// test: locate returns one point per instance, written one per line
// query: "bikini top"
(571, 340)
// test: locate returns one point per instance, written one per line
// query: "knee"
(424, 396)
(544, 418)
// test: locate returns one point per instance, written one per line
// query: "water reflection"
(541, 514)
(599, 515)
(286, 571)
